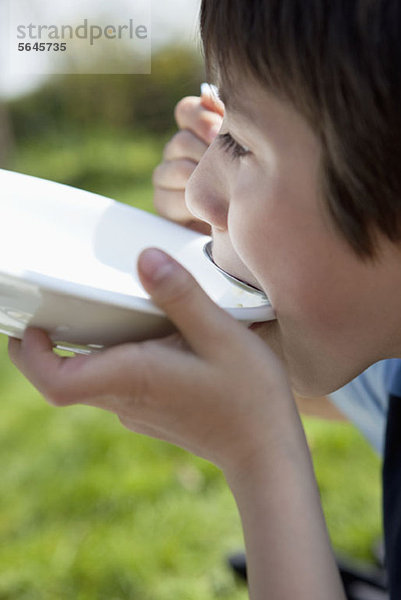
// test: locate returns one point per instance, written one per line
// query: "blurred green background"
(89, 510)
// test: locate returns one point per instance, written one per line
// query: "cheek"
(290, 253)
(309, 286)
(280, 232)
(318, 293)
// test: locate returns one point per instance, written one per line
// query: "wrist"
(283, 523)
(264, 447)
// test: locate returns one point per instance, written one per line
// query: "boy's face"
(336, 315)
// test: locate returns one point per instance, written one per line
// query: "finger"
(185, 144)
(199, 226)
(137, 426)
(170, 204)
(204, 123)
(173, 175)
(34, 357)
(207, 328)
(174, 341)
(143, 429)
(65, 381)
(211, 101)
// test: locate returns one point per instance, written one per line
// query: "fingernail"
(208, 89)
(205, 89)
(155, 264)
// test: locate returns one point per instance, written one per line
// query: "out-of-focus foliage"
(143, 102)
(96, 132)
(115, 164)
(6, 136)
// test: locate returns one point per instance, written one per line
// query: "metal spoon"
(207, 249)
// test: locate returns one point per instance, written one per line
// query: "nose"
(205, 194)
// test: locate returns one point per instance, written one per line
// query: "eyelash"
(230, 145)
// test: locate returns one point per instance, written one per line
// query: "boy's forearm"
(288, 550)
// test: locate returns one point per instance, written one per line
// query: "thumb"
(202, 323)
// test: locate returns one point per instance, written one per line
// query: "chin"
(318, 381)
(309, 376)
(305, 389)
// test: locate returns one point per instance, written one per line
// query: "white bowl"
(68, 265)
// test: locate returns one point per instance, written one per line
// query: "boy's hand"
(214, 388)
(217, 390)
(199, 120)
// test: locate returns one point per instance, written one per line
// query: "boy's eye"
(230, 145)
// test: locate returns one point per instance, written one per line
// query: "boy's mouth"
(256, 326)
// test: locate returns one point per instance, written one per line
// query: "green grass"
(348, 472)
(91, 511)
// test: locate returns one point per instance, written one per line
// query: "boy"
(301, 190)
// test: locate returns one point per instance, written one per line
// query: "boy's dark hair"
(339, 63)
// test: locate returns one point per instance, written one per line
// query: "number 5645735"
(42, 47)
